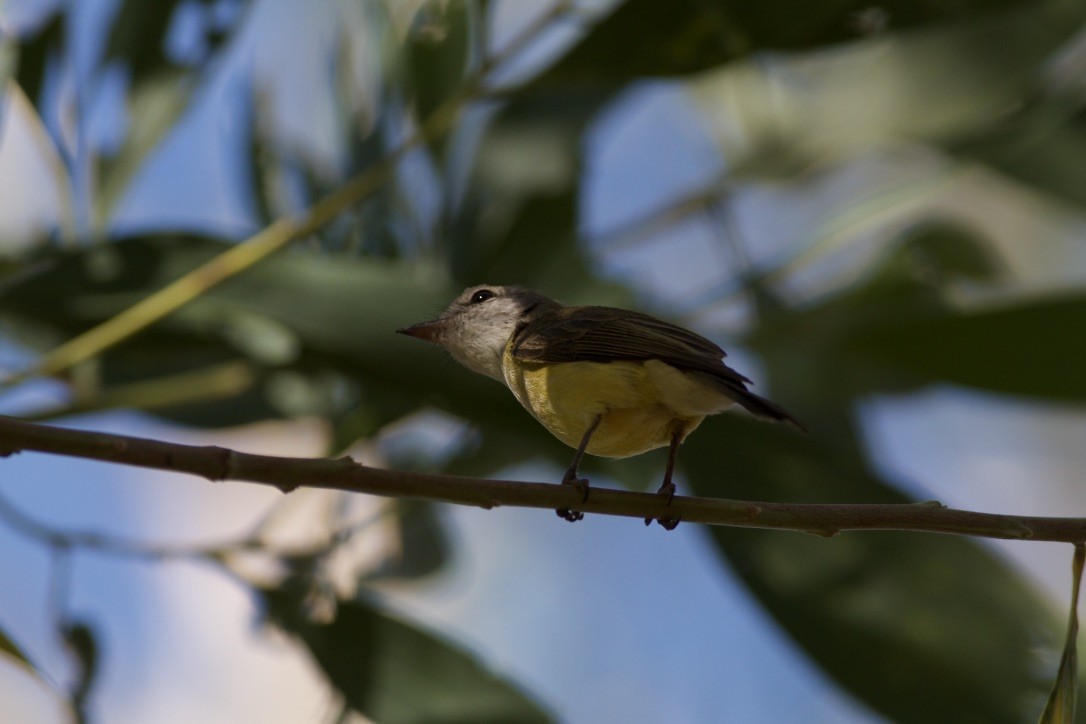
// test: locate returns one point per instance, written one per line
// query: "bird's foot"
(571, 515)
(581, 484)
(666, 491)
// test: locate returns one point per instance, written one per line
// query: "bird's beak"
(428, 331)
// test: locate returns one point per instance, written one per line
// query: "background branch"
(220, 464)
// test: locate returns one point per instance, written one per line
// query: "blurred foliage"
(82, 641)
(785, 89)
(394, 671)
(12, 649)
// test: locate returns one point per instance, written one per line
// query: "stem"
(216, 463)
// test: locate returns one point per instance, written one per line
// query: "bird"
(606, 381)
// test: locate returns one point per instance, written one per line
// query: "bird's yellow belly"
(567, 397)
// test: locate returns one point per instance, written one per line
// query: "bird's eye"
(481, 296)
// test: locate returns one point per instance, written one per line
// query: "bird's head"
(478, 323)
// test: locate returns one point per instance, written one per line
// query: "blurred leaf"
(438, 51)
(940, 251)
(367, 59)
(35, 52)
(264, 166)
(773, 116)
(1060, 708)
(8, 60)
(423, 544)
(392, 671)
(12, 649)
(83, 643)
(519, 219)
(153, 107)
(159, 90)
(137, 37)
(177, 395)
(1010, 350)
(44, 193)
(885, 614)
(1043, 146)
(649, 38)
(899, 331)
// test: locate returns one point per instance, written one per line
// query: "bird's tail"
(763, 408)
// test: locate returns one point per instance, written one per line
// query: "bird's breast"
(640, 402)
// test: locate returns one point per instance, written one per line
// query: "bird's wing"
(606, 334)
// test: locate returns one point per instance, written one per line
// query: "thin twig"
(216, 463)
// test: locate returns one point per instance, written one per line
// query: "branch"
(217, 463)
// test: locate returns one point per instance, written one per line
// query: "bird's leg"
(667, 488)
(570, 478)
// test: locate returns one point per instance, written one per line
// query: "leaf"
(392, 671)
(423, 544)
(36, 50)
(519, 218)
(952, 85)
(36, 198)
(1043, 145)
(153, 108)
(898, 330)
(16, 655)
(438, 51)
(83, 643)
(137, 37)
(1060, 708)
(15, 652)
(649, 38)
(1020, 349)
(886, 615)
(159, 91)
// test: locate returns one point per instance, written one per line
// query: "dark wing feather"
(606, 334)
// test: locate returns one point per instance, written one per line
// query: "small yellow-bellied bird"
(606, 381)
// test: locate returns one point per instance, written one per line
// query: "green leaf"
(15, 652)
(1060, 708)
(650, 38)
(946, 84)
(153, 108)
(83, 643)
(1021, 349)
(423, 544)
(519, 219)
(137, 37)
(159, 93)
(438, 51)
(887, 615)
(898, 330)
(1043, 146)
(36, 50)
(392, 671)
